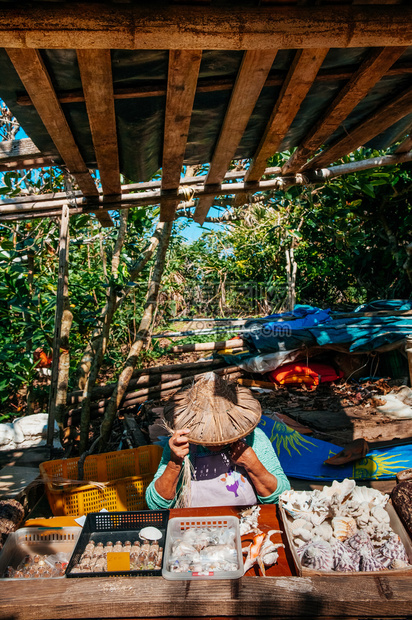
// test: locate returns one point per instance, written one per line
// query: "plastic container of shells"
(120, 530)
(40, 542)
(395, 524)
(225, 525)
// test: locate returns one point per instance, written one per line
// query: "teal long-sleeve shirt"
(263, 450)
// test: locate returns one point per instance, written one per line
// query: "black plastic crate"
(104, 526)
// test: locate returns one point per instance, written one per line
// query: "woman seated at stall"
(229, 461)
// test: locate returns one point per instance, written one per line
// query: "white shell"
(150, 533)
(341, 489)
(302, 533)
(299, 523)
(380, 514)
(372, 496)
(324, 530)
(344, 527)
(396, 564)
(299, 542)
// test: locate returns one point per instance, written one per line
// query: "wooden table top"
(279, 595)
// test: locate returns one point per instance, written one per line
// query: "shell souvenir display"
(344, 528)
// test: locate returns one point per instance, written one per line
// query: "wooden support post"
(409, 356)
(62, 293)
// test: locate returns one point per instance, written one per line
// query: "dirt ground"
(339, 412)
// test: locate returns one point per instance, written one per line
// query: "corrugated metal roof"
(141, 80)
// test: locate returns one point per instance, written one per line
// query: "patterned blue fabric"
(316, 327)
(399, 305)
(303, 457)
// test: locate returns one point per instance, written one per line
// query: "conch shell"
(317, 555)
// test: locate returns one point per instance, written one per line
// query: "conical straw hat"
(215, 411)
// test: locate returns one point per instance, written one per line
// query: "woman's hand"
(166, 484)
(242, 454)
(264, 482)
(179, 445)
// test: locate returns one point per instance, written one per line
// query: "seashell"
(369, 562)
(344, 527)
(397, 564)
(150, 533)
(317, 555)
(380, 514)
(360, 512)
(302, 533)
(359, 540)
(270, 558)
(341, 489)
(299, 542)
(367, 494)
(306, 505)
(379, 532)
(249, 520)
(298, 523)
(296, 500)
(343, 561)
(315, 517)
(324, 530)
(392, 549)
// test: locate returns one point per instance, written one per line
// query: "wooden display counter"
(279, 595)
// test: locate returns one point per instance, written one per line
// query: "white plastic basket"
(36, 540)
(177, 526)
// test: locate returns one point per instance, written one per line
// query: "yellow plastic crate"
(126, 474)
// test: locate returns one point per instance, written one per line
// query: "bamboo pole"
(207, 346)
(130, 187)
(150, 306)
(102, 341)
(143, 380)
(62, 295)
(130, 397)
(10, 211)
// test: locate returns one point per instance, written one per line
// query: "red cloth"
(45, 361)
(312, 374)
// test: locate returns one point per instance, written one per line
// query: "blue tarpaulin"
(314, 326)
(303, 457)
(397, 305)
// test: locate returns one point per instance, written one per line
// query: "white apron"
(218, 482)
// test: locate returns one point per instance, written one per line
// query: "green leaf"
(7, 245)
(24, 309)
(368, 190)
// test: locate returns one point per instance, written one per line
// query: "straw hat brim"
(216, 412)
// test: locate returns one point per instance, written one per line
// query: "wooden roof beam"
(181, 88)
(369, 73)
(300, 78)
(82, 25)
(209, 85)
(96, 74)
(36, 80)
(374, 125)
(249, 83)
